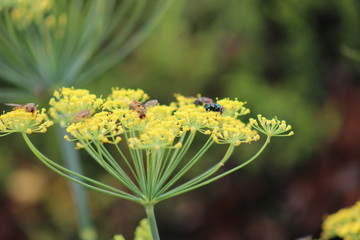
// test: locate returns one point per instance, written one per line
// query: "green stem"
(149, 208)
(187, 166)
(72, 161)
(70, 175)
(202, 177)
(200, 181)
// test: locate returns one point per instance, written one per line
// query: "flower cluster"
(121, 98)
(90, 118)
(162, 125)
(24, 12)
(344, 224)
(71, 105)
(272, 127)
(155, 126)
(233, 131)
(101, 127)
(23, 121)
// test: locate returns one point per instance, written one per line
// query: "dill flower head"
(271, 127)
(183, 101)
(344, 224)
(101, 127)
(25, 12)
(234, 108)
(157, 134)
(159, 126)
(121, 98)
(20, 120)
(156, 126)
(71, 105)
(233, 131)
(196, 118)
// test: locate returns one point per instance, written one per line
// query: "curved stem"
(60, 170)
(200, 180)
(240, 166)
(188, 165)
(175, 159)
(114, 169)
(126, 161)
(189, 184)
(137, 160)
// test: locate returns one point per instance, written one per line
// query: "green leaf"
(15, 95)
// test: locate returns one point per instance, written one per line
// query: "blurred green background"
(292, 59)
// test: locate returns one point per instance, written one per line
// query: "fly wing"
(13, 105)
(30, 105)
(134, 105)
(151, 103)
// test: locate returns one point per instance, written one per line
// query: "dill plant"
(155, 155)
(46, 44)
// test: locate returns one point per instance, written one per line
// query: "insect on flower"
(209, 104)
(141, 108)
(81, 115)
(29, 107)
(214, 107)
(203, 100)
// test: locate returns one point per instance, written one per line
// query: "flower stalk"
(149, 208)
(72, 161)
(150, 146)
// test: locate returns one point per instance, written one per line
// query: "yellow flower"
(233, 131)
(20, 120)
(233, 108)
(344, 224)
(197, 118)
(70, 103)
(157, 134)
(161, 124)
(183, 101)
(121, 98)
(101, 127)
(143, 231)
(272, 127)
(160, 112)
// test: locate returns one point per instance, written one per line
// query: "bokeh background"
(297, 60)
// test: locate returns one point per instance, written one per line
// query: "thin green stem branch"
(119, 169)
(235, 168)
(188, 165)
(122, 155)
(59, 170)
(176, 158)
(201, 180)
(120, 176)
